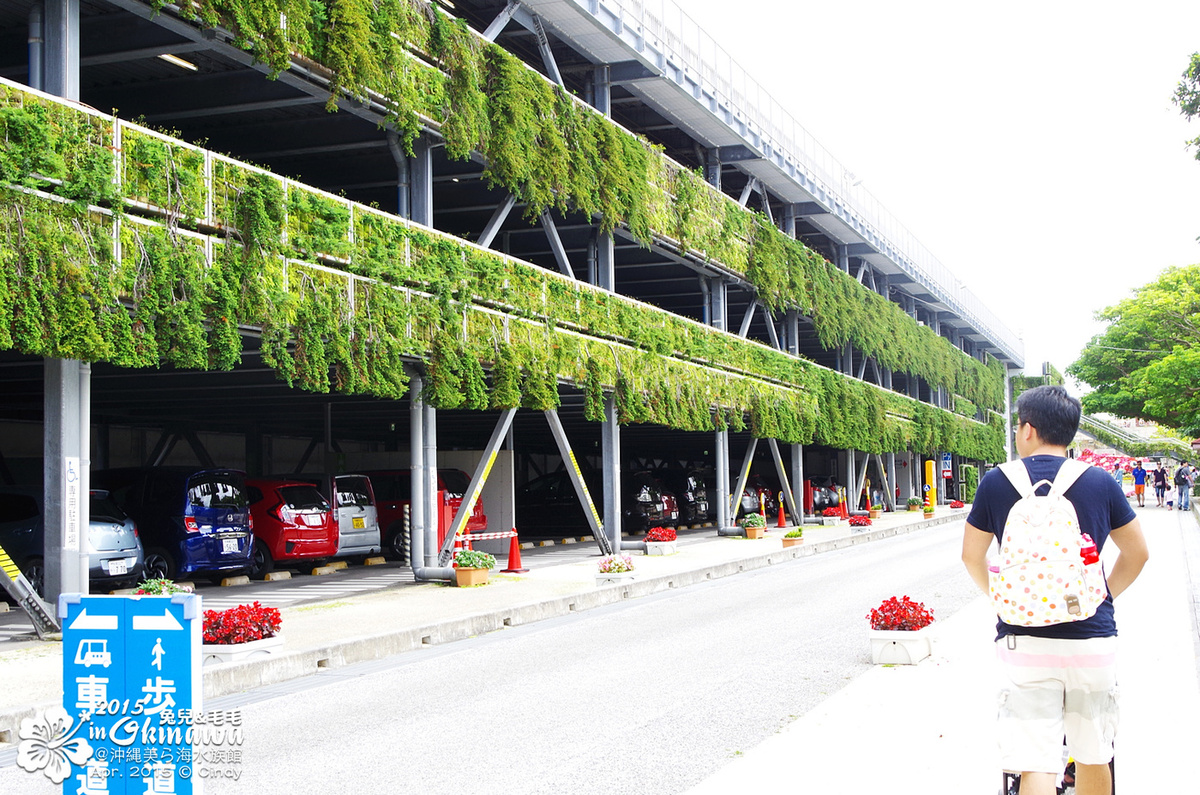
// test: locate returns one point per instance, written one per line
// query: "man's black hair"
(1052, 412)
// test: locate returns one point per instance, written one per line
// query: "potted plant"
(831, 516)
(928, 511)
(754, 525)
(860, 521)
(914, 503)
(793, 537)
(240, 633)
(897, 632)
(875, 511)
(614, 569)
(661, 541)
(471, 567)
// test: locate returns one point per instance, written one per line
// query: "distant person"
(1119, 476)
(1061, 678)
(1139, 483)
(1184, 478)
(1160, 484)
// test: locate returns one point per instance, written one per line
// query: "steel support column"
(734, 500)
(581, 489)
(65, 477)
(788, 495)
(556, 245)
(496, 221)
(610, 450)
(422, 181)
(482, 470)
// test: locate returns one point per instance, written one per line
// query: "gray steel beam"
(60, 52)
(501, 21)
(747, 190)
(788, 495)
(610, 450)
(496, 221)
(581, 489)
(422, 181)
(482, 470)
(64, 472)
(747, 319)
(602, 90)
(735, 499)
(772, 334)
(798, 478)
(724, 520)
(556, 245)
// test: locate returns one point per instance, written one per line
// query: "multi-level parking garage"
(408, 235)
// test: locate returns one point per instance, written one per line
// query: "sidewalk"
(930, 727)
(405, 617)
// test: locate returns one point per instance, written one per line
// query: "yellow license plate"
(358, 523)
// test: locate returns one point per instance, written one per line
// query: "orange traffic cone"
(782, 522)
(514, 555)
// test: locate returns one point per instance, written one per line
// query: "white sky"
(1031, 146)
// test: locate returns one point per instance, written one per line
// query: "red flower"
(860, 521)
(831, 512)
(661, 534)
(900, 614)
(241, 624)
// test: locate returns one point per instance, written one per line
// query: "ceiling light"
(175, 59)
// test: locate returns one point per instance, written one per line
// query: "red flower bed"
(958, 504)
(659, 534)
(831, 512)
(860, 521)
(241, 624)
(900, 614)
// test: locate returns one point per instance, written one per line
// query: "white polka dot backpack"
(1047, 572)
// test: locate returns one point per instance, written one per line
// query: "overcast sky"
(1032, 147)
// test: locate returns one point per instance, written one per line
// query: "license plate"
(357, 523)
(117, 567)
(229, 545)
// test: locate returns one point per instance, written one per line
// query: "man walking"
(1183, 482)
(1139, 483)
(1061, 677)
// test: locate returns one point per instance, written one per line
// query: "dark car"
(548, 505)
(115, 551)
(691, 494)
(292, 522)
(760, 496)
(192, 521)
(393, 493)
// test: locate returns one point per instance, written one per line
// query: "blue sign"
(131, 673)
(947, 466)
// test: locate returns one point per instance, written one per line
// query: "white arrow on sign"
(84, 621)
(165, 621)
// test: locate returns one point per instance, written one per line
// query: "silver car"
(114, 549)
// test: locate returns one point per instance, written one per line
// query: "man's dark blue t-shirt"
(1100, 506)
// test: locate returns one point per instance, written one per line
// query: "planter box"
(662, 547)
(791, 542)
(831, 521)
(213, 653)
(895, 647)
(754, 532)
(928, 514)
(465, 578)
(615, 578)
(875, 514)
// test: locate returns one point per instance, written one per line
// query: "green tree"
(1187, 96)
(1146, 363)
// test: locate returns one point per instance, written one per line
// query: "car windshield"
(215, 491)
(102, 508)
(303, 498)
(455, 481)
(391, 488)
(353, 491)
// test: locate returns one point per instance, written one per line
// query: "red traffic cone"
(782, 522)
(514, 555)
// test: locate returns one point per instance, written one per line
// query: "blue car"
(192, 521)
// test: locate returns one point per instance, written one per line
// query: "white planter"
(662, 547)
(831, 521)
(896, 647)
(213, 653)
(616, 578)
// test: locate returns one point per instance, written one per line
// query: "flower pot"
(791, 542)
(914, 508)
(465, 577)
(213, 653)
(754, 532)
(661, 547)
(897, 647)
(928, 514)
(874, 514)
(614, 578)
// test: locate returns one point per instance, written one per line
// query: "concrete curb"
(220, 680)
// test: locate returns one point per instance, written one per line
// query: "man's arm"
(976, 543)
(1133, 554)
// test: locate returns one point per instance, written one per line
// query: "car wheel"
(35, 572)
(158, 565)
(393, 547)
(262, 563)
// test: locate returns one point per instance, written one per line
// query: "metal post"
(60, 29)
(798, 478)
(789, 495)
(35, 46)
(606, 265)
(65, 503)
(724, 520)
(581, 489)
(734, 499)
(610, 450)
(422, 181)
(416, 436)
(602, 90)
(482, 469)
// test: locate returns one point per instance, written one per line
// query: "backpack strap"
(1070, 471)
(1018, 476)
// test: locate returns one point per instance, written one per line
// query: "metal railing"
(667, 28)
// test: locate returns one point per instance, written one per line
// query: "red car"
(292, 521)
(393, 491)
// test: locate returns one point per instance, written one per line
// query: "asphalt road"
(649, 696)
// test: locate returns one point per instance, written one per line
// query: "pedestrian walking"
(1139, 483)
(1061, 676)
(1184, 479)
(1160, 484)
